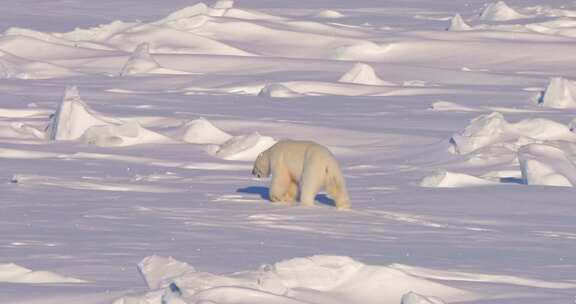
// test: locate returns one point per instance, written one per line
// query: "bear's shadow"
(264, 193)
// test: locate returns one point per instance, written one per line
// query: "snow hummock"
(13, 273)
(244, 147)
(221, 7)
(187, 12)
(492, 129)
(546, 165)
(560, 93)
(202, 131)
(315, 279)
(458, 24)
(360, 50)
(446, 179)
(414, 298)
(362, 73)
(277, 90)
(223, 4)
(140, 61)
(12, 66)
(74, 120)
(125, 134)
(329, 14)
(500, 11)
(74, 117)
(482, 131)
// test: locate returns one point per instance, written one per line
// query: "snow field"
(450, 122)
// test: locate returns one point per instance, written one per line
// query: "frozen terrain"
(128, 130)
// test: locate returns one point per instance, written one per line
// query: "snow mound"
(482, 131)
(329, 14)
(13, 273)
(359, 51)
(223, 4)
(445, 179)
(244, 147)
(546, 165)
(500, 11)
(74, 117)
(159, 271)
(449, 106)
(74, 120)
(221, 7)
(187, 12)
(12, 66)
(316, 279)
(414, 298)
(126, 134)
(457, 24)
(202, 131)
(140, 61)
(492, 129)
(27, 131)
(277, 90)
(572, 125)
(560, 93)
(362, 73)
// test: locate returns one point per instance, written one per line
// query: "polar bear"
(301, 167)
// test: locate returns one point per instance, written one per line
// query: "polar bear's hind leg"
(336, 186)
(311, 182)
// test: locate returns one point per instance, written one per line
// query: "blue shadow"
(264, 193)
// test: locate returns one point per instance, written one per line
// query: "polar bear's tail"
(336, 185)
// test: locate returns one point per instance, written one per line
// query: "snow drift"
(202, 131)
(458, 24)
(13, 273)
(445, 179)
(74, 117)
(277, 90)
(500, 11)
(315, 279)
(560, 93)
(493, 131)
(362, 73)
(74, 120)
(546, 165)
(141, 62)
(244, 147)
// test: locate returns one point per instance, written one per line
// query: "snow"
(277, 90)
(141, 62)
(328, 279)
(362, 73)
(458, 24)
(560, 93)
(13, 273)
(74, 117)
(453, 123)
(445, 179)
(244, 147)
(202, 131)
(546, 165)
(500, 11)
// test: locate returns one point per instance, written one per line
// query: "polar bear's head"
(262, 165)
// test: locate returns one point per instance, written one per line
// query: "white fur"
(301, 167)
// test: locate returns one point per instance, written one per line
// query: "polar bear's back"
(295, 153)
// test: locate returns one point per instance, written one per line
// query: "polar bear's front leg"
(280, 185)
(292, 194)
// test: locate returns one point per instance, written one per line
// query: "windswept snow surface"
(127, 136)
